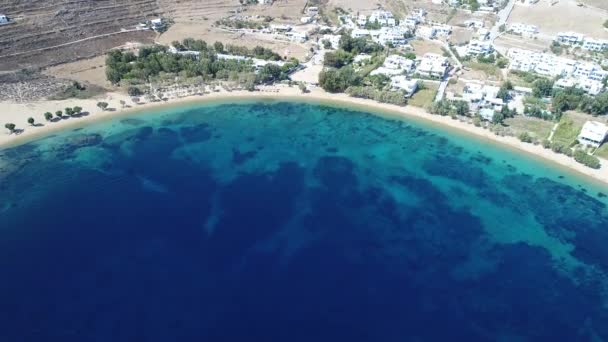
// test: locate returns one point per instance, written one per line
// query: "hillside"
(95, 25)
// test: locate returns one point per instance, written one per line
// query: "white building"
(569, 38)
(280, 28)
(361, 20)
(306, 20)
(312, 11)
(595, 44)
(360, 33)
(523, 29)
(433, 65)
(410, 21)
(526, 2)
(295, 36)
(486, 114)
(583, 75)
(395, 65)
(427, 32)
(442, 30)
(384, 18)
(334, 40)
(393, 35)
(482, 96)
(402, 83)
(3, 19)
(593, 133)
(477, 47)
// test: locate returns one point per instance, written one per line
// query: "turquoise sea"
(288, 221)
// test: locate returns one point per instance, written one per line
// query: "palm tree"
(31, 121)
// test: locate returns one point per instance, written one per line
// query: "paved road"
(502, 17)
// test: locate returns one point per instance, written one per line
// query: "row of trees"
(154, 60)
(385, 96)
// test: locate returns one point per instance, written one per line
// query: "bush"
(558, 148)
(586, 159)
(134, 91)
(546, 143)
(392, 97)
(525, 137)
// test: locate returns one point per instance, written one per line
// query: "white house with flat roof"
(390, 35)
(593, 133)
(401, 82)
(595, 44)
(486, 114)
(433, 65)
(395, 65)
(526, 2)
(382, 17)
(477, 47)
(334, 40)
(569, 38)
(360, 33)
(523, 29)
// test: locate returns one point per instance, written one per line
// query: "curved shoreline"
(293, 94)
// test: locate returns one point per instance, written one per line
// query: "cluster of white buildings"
(584, 75)
(395, 35)
(573, 38)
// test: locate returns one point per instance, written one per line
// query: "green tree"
(102, 105)
(31, 121)
(474, 5)
(461, 108)
(326, 44)
(269, 73)
(59, 114)
(219, 47)
(10, 127)
(498, 118)
(503, 92)
(77, 110)
(69, 111)
(48, 116)
(337, 59)
(525, 137)
(586, 159)
(542, 87)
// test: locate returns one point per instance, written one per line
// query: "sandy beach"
(18, 113)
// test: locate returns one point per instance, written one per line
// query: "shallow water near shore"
(284, 221)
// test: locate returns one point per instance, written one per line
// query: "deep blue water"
(274, 221)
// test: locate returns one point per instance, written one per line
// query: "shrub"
(134, 91)
(525, 137)
(586, 159)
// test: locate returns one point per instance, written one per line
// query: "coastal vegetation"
(77, 90)
(157, 63)
(586, 159)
